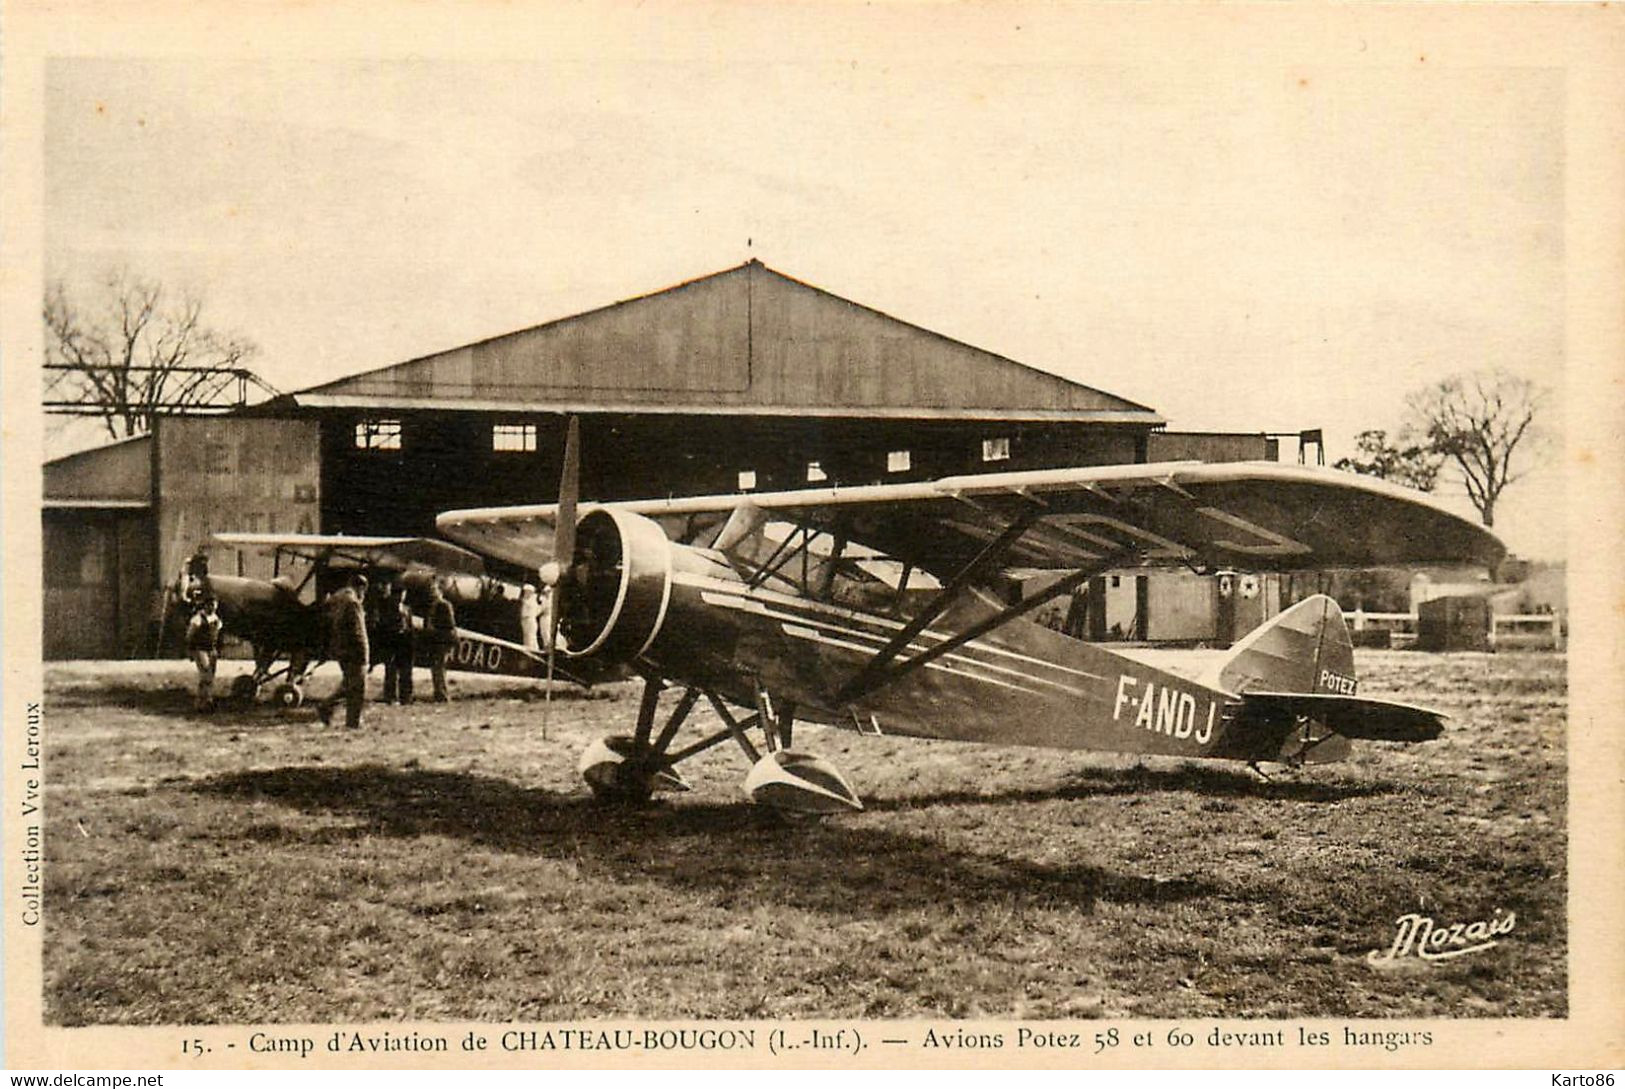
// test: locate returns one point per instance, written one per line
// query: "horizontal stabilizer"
(1351, 716)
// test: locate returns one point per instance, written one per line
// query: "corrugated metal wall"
(1210, 446)
(233, 473)
(745, 339)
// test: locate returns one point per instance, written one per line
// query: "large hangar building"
(744, 380)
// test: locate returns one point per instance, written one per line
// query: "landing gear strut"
(289, 692)
(1312, 742)
(629, 768)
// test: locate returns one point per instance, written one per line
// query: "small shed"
(119, 520)
(1455, 622)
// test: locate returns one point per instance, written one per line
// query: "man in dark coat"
(396, 639)
(440, 634)
(347, 645)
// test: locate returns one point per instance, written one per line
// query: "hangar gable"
(746, 340)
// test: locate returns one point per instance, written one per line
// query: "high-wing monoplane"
(777, 608)
(282, 618)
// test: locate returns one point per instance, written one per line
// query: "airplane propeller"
(174, 596)
(554, 574)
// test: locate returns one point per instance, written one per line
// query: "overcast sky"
(1275, 245)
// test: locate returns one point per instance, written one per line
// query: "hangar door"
(98, 581)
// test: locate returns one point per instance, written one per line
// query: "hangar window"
(747, 480)
(514, 437)
(378, 435)
(898, 461)
(996, 449)
(815, 473)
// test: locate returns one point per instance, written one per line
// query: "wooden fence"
(1532, 630)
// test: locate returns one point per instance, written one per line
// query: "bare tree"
(1415, 466)
(1479, 421)
(133, 355)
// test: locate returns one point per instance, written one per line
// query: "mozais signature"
(1427, 939)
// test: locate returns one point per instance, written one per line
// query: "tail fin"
(1304, 649)
(1295, 677)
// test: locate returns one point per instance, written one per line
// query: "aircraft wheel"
(289, 695)
(616, 770)
(243, 688)
(800, 784)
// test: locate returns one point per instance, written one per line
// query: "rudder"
(1295, 677)
(1304, 649)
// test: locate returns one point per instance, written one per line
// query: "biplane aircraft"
(772, 603)
(282, 619)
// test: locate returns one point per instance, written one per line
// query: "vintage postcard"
(814, 535)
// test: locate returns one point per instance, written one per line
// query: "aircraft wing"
(393, 553)
(1252, 516)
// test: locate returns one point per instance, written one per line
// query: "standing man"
(544, 623)
(396, 645)
(203, 644)
(441, 634)
(347, 645)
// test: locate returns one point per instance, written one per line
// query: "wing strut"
(737, 728)
(874, 677)
(783, 554)
(990, 555)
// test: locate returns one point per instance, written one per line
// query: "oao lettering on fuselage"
(1163, 709)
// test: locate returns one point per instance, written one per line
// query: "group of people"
(361, 624)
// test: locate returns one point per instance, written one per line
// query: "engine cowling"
(618, 586)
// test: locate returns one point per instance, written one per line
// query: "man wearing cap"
(347, 645)
(395, 645)
(440, 634)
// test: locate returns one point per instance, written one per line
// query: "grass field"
(445, 862)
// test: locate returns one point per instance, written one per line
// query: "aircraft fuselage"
(701, 623)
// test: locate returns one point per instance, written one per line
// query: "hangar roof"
(747, 340)
(111, 477)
